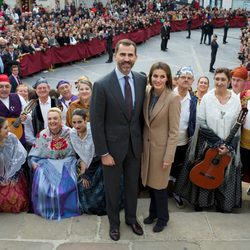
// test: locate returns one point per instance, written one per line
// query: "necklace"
(55, 134)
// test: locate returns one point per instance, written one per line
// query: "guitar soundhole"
(215, 161)
(207, 175)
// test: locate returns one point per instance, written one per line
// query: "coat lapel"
(159, 105)
(146, 104)
(115, 89)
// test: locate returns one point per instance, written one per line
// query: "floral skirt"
(14, 197)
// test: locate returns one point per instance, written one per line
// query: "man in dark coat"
(165, 35)
(226, 27)
(14, 78)
(204, 29)
(10, 59)
(214, 48)
(109, 41)
(115, 118)
(189, 25)
(210, 31)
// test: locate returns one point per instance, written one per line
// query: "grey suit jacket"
(111, 128)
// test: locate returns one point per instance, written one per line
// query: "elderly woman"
(13, 185)
(216, 117)
(53, 160)
(84, 93)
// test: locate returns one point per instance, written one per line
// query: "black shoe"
(188, 37)
(158, 227)
(200, 42)
(108, 61)
(163, 50)
(136, 228)
(211, 70)
(114, 234)
(149, 220)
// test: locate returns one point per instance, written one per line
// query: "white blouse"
(219, 117)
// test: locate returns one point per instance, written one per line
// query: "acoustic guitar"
(15, 124)
(209, 173)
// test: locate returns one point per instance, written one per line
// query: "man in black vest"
(44, 103)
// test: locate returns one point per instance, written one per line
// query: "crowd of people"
(72, 154)
(244, 54)
(43, 28)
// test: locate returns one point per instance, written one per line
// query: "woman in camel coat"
(161, 129)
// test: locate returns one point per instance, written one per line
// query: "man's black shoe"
(149, 220)
(136, 228)
(211, 70)
(108, 61)
(114, 234)
(188, 37)
(158, 227)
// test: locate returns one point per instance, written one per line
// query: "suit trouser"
(163, 44)
(130, 168)
(159, 205)
(213, 57)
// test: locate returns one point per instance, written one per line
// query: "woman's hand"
(166, 165)
(86, 183)
(83, 167)
(34, 166)
(223, 149)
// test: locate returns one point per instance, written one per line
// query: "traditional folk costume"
(13, 110)
(13, 185)
(215, 122)
(245, 138)
(92, 199)
(54, 189)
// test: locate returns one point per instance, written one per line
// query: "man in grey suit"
(115, 118)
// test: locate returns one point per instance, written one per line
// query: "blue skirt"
(54, 189)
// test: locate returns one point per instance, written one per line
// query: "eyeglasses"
(5, 86)
(186, 77)
(220, 79)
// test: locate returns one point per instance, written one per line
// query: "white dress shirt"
(44, 109)
(184, 118)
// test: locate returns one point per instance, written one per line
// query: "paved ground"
(187, 230)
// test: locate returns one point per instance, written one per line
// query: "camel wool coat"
(160, 137)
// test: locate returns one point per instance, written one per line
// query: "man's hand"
(23, 118)
(108, 160)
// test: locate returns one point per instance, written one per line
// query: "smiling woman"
(161, 127)
(216, 117)
(53, 161)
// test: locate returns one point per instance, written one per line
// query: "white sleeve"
(29, 131)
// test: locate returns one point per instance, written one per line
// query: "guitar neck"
(17, 122)
(232, 133)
